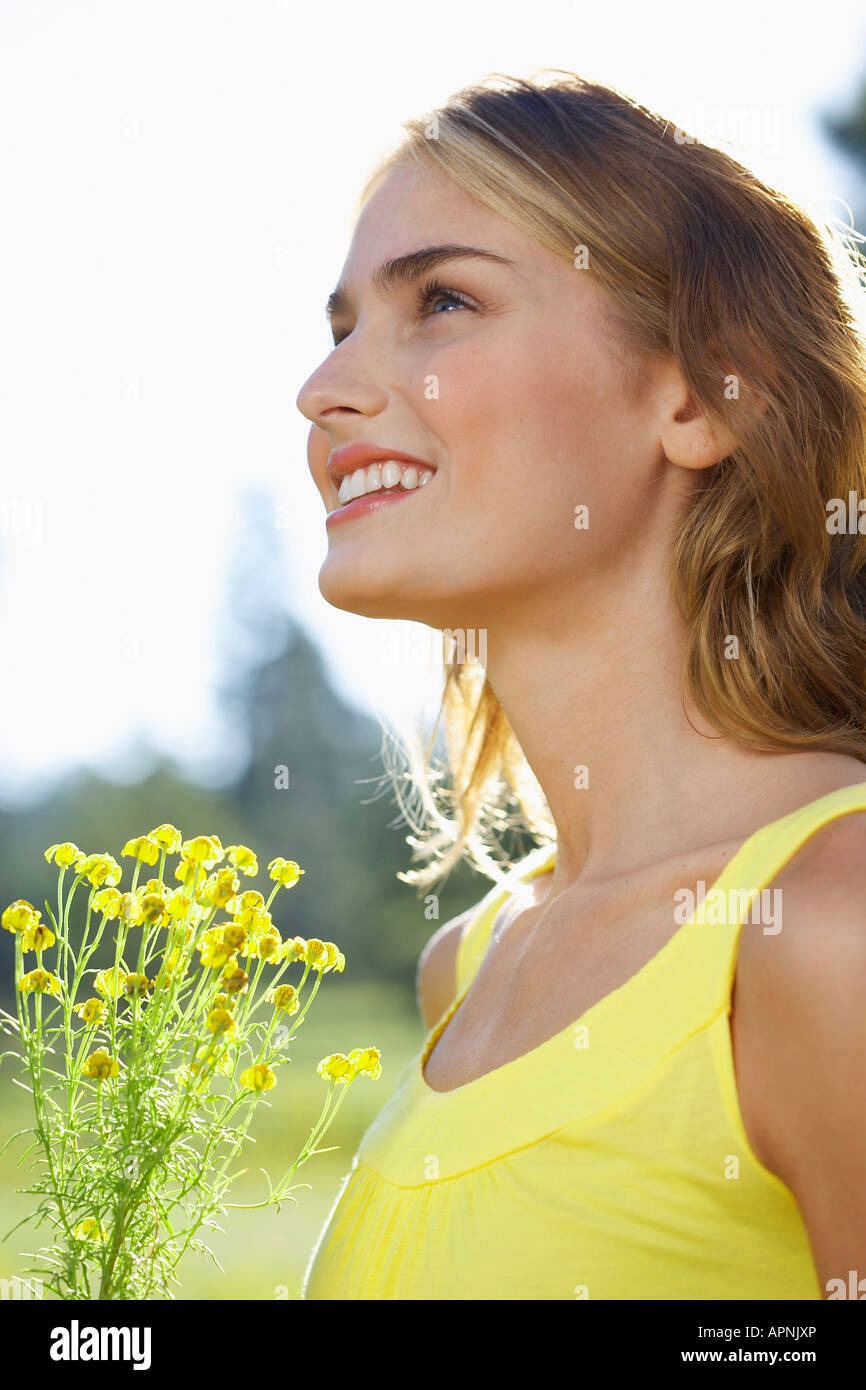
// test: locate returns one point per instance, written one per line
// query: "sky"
(179, 181)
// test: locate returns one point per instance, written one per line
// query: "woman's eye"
(435, 293)
(426, 299)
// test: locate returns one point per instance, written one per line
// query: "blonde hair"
(761, 307)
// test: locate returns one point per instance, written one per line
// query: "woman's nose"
(343, 382)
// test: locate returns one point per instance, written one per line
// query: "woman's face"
(511, 392)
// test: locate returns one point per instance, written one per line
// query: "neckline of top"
(674, 943)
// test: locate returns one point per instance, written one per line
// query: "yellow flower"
(179, 902)
(136, 985)
(20, 915)
(233, 979)
(293, 949)
(154, 908)
(100, 1065)
(220, 1021)
(234, 935)
(254, 918)
(243, 859)
(92, 1011)
(167, 837)
(221, 1001)
(251, 898)
(186, 871)
(101, 869)
(145, 849)
(337, 1067)
(286, 871)
(366, 1061)
(129, 908)
(215, 951)
(37, 937)
(109, 984)
(65, 855)
(258, 1078)
(219, 890)
(90, 1229)
(108, 901)
(316, 954)
(203, 849)
(285, 998)
(334, 959)
(40, 980)
(266, 944)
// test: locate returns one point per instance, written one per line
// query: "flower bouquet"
(145, 1075)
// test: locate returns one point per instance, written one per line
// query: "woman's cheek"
(317, 458)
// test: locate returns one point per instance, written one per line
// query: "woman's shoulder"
(800, 1008)
(819, 954)
(436, 978)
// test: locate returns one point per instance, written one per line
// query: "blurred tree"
(848, 132)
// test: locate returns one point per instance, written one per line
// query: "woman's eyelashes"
(427, 296)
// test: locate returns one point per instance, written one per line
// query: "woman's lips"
(370, 502)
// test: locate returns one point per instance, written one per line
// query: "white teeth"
(376, 476)
(391, 473)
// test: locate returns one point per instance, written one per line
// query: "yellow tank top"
(610, 1162)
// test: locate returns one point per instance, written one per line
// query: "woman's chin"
(370, 596)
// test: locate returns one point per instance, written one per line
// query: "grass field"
(261, 1251)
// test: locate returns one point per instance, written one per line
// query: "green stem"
(319, 1130)
(105, 1283)
(83, 1046)
(73, 1069)
(300, 1018)
(119, 942)
(33, 1041)
(245, 1006)
(220, 1173)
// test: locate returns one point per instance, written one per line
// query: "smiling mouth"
(370, 502)
(374, 481)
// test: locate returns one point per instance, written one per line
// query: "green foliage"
(259, 1259)
(128, 1178)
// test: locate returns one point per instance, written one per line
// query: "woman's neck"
(598, 686)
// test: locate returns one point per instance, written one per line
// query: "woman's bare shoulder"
(436, 980)
(800, 1010)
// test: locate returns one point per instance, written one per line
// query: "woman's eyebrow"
(403, 269)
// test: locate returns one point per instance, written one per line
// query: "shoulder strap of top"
(475, 936)
(693, 974)
(746, 877)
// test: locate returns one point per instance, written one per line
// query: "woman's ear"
(687, 434)
(690, 439)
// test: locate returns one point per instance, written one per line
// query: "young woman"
(599, 396)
